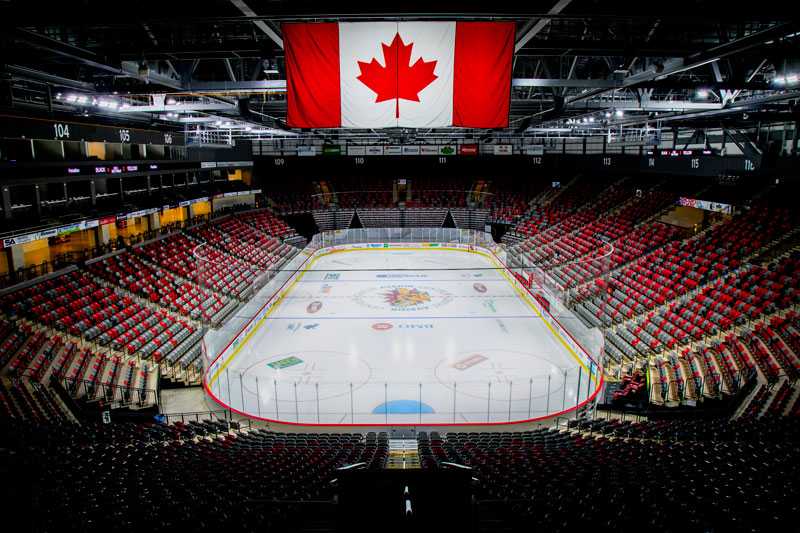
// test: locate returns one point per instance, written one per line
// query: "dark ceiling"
(574, 57)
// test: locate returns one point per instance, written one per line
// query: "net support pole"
(296, 404)
(455, 391)
(510, 388)
(564, 392)
(420, 403)
(228, 379)
(489, 402)
(258, 398)
(547, 408)
(530, 395)
(275, 384)
(241, 391)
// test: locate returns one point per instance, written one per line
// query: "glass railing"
(514, 398)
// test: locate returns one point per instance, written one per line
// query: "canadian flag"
(398, 74)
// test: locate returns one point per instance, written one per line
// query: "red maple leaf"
(397, 79)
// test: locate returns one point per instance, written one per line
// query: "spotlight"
(791, 78)
(702, 93)
(619, 113)
(608, 114)
(171, 101)
(591, 119)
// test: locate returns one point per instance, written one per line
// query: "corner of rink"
(221, 347)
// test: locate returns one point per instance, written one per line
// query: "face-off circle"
(307, 369)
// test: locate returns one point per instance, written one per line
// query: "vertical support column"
(154, 221)
(37, 200)
(6, 199)
(103, 235)
(16, 259)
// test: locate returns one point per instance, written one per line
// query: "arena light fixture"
(702, 93)
(619, 113)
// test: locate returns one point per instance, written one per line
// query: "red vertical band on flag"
(482, 77)
(312, 75)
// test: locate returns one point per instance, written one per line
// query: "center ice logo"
(406, 297)
(402, 298)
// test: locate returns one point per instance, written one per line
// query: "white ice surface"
(464, 347)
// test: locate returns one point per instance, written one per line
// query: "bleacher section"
(196, 476)
(685, 307)
(620, 474)
(628, 475)
(107, 329)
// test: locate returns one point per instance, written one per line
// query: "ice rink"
(403, 336)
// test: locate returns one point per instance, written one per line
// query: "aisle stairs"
(403, 455)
